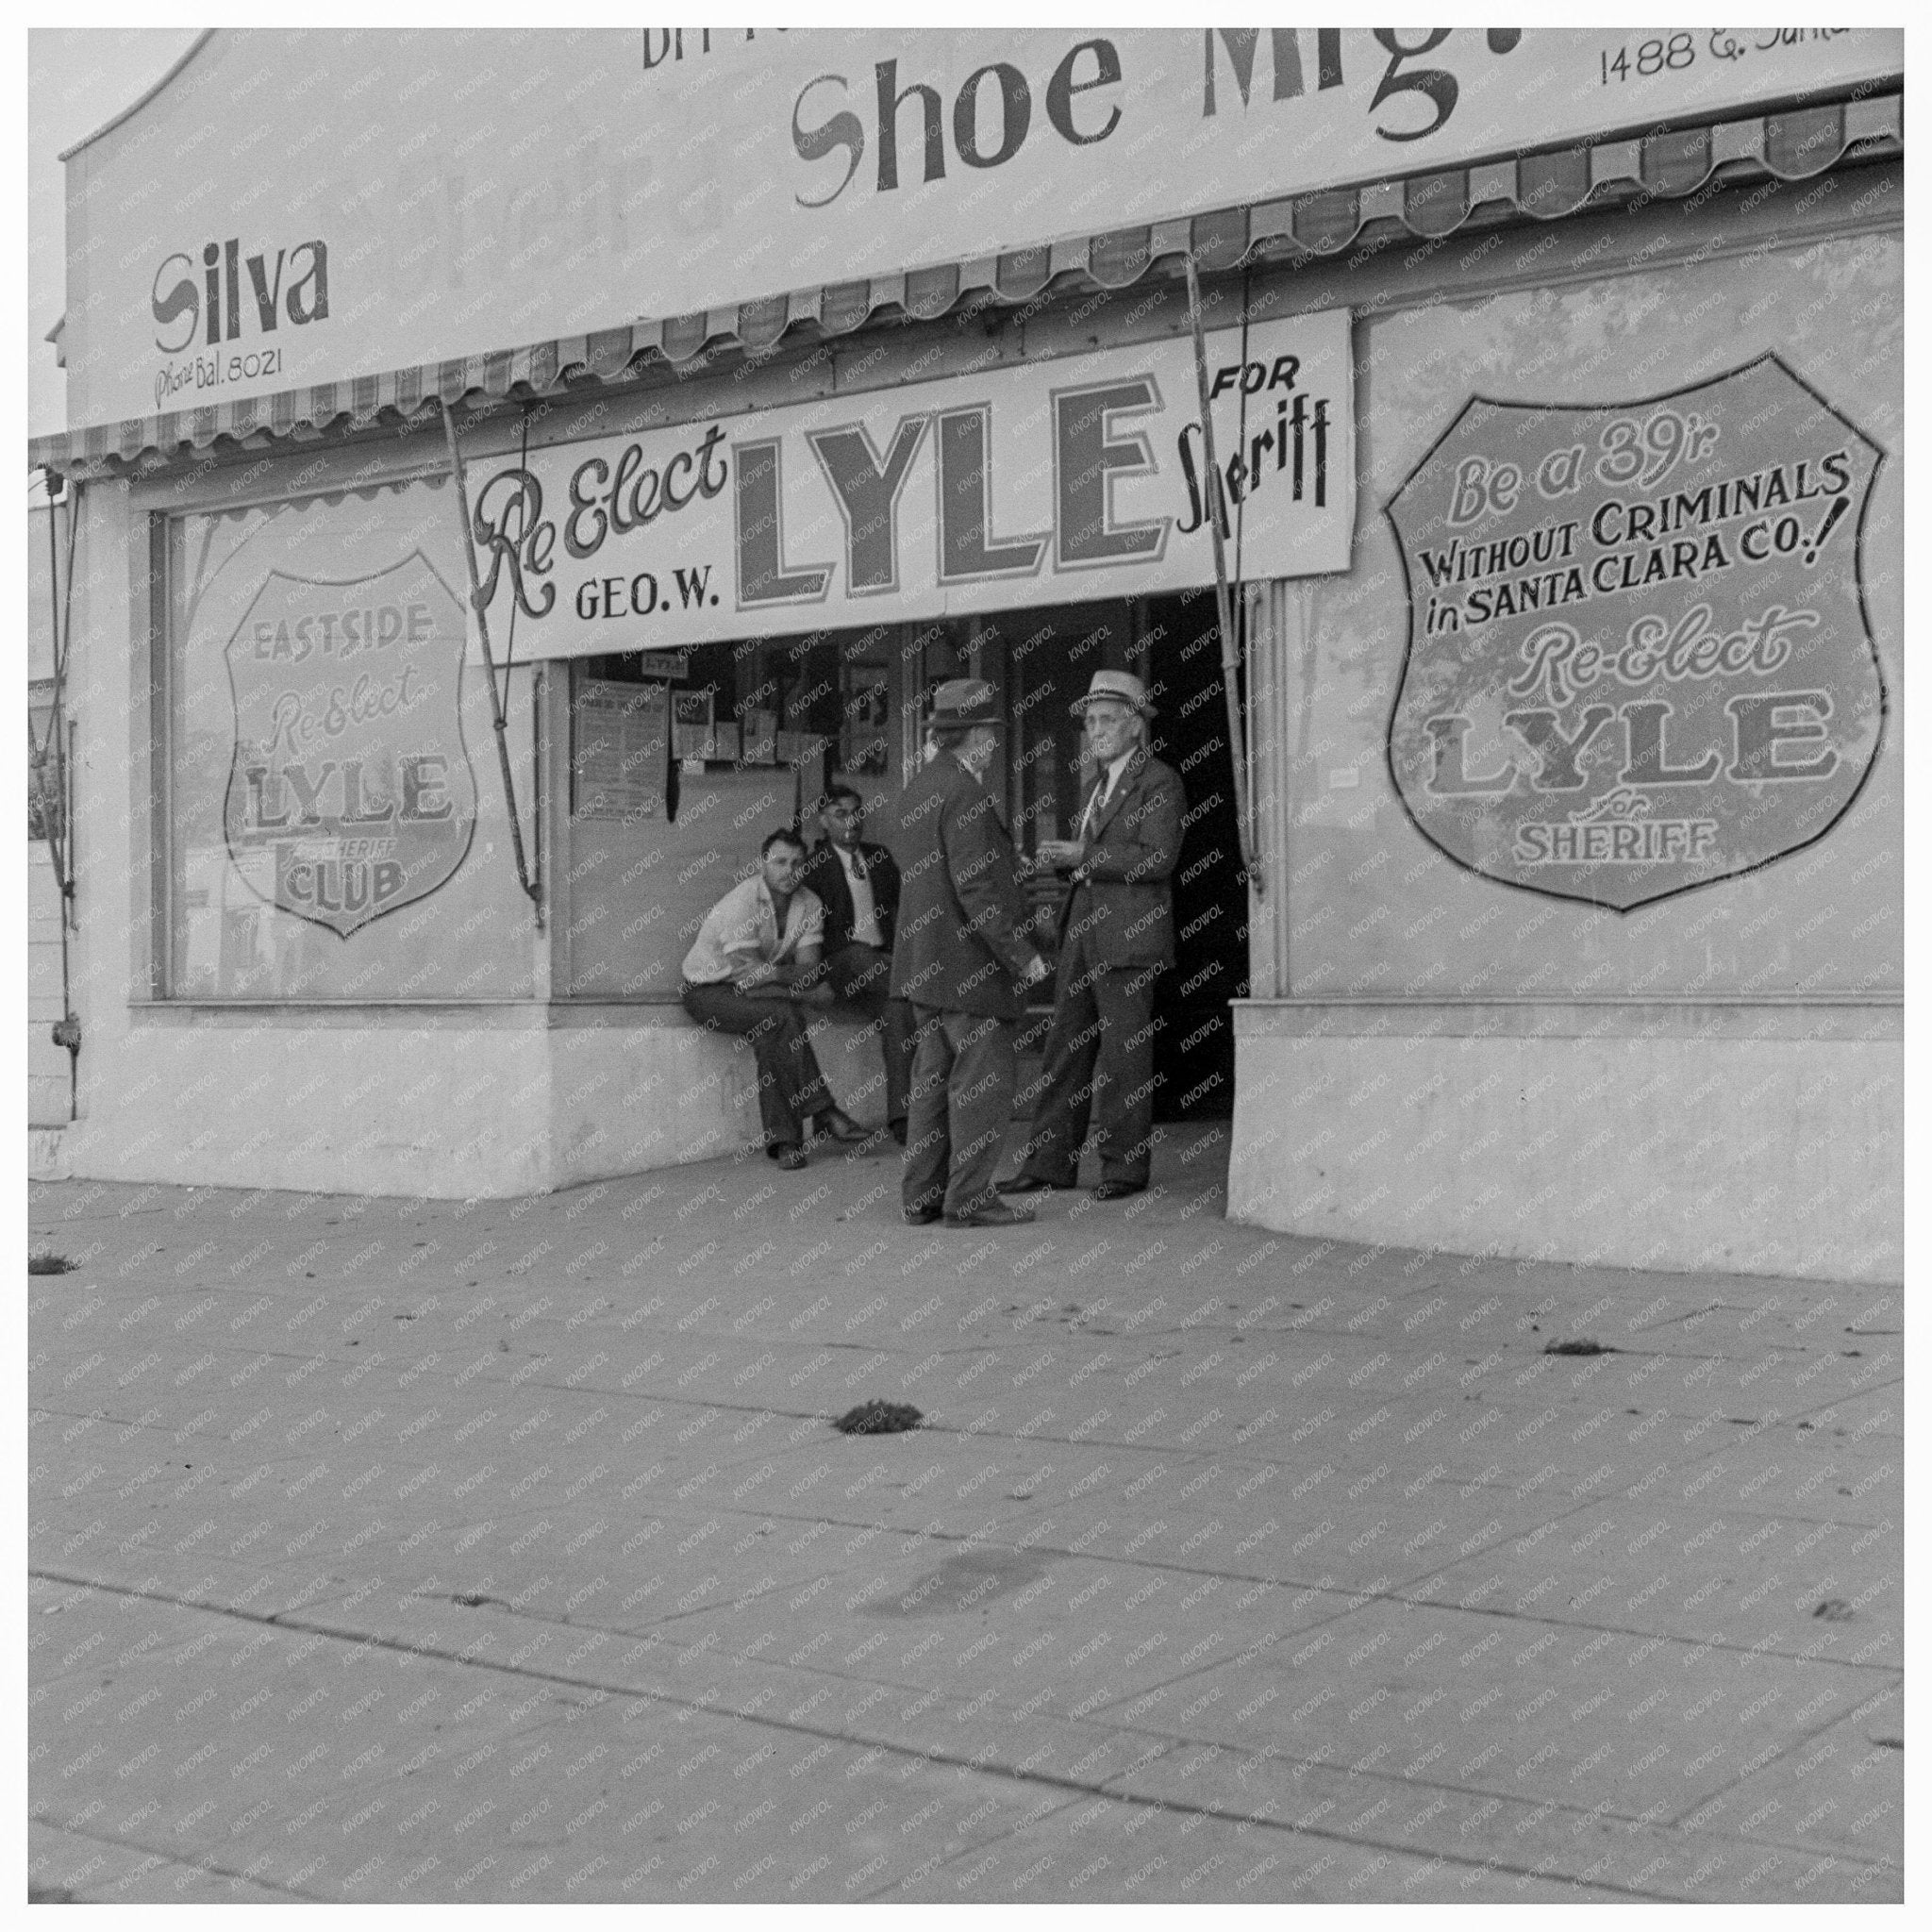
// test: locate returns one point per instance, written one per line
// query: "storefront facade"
(1521, 969)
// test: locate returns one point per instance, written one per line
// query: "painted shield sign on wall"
(350, 768)
(1638, 653)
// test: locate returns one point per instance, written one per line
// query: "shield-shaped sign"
(350, 793)
(1638, 653)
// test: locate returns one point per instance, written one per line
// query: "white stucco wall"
(628, 1098)
(1670, 1150)
(435, 1104)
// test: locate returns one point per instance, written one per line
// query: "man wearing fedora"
(1116, 933)
(963, 960)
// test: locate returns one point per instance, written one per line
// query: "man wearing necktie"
(1116, 929)
(858, 883)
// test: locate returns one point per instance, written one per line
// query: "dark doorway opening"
(1193, 1054)
(1042, 659)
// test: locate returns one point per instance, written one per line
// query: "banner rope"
(534, 891)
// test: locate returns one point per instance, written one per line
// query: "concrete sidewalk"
(402, 1549)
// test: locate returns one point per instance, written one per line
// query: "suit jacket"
(1118, 895)
(962, 934)
(825, 875)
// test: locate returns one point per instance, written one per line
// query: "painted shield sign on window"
(350, 772)
(1638, 653)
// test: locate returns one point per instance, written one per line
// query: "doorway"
(1041, 659)
(1193, 1053)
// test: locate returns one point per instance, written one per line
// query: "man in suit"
(857, 884)
(963, 960)
(1116, 928)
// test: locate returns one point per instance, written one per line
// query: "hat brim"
(1110, 697)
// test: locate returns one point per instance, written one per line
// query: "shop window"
(660, 830)
(1381, 899)
(335, 825)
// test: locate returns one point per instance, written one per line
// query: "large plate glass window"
(335, 825)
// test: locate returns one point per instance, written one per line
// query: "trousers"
(858, 975)
(1098, 1066)
(961, 1103)
(791, 1088)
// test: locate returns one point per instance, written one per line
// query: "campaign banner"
(350, 793)
(1082, 478)
(1638, 657)
(294, 208)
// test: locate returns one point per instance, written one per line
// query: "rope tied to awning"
(1224, 600)
(56, 812)
(533, 889)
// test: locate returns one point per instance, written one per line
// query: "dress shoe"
(841, 1126)
(997, 1215)
(1031, 1183)
(790, 1155)
(921, 1217)
(1119, 1190)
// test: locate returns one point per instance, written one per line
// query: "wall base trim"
(1748, 1154)
(450, 1112)
(49, 1155)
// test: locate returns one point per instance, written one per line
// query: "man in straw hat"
(1116, 929)
(963, 959)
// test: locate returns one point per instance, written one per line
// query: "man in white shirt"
(754, 967)
(858, 883)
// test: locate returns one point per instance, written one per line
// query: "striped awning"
(1790, 146)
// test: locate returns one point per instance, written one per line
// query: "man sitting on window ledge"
(858, 883)
(754, 969)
